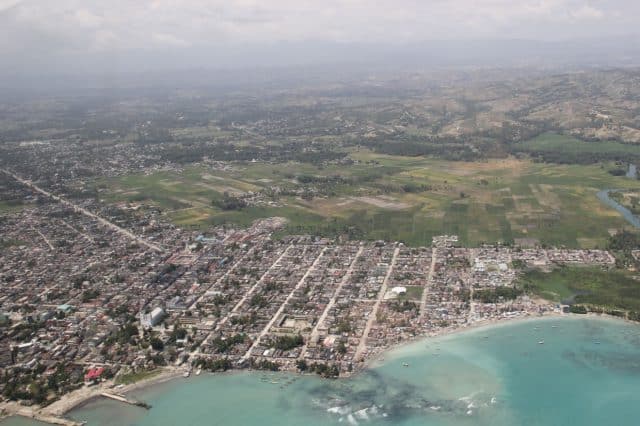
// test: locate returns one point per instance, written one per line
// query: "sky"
(51, 32)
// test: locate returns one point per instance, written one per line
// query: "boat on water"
(404, 364)
(198, 372)
(541, 342)
(186, 374)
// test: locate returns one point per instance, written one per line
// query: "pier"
(126, 400)
(29, 413)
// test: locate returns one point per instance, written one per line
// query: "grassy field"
(570, 145)
(10, 243)
(11, 206)
(130, 378)
(609, 289)
(496, 200)
(628, 199)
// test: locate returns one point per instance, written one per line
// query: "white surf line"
(425, 291)
(372, 315)
(244, 298)
(282, 306)
(323, 317)
(84, 211)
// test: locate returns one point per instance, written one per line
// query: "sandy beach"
(55, 412)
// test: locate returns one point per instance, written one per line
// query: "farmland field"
(569, 145)
(495, 200)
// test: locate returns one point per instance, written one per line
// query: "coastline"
(375, 357)
(81, 397)
(56, 413)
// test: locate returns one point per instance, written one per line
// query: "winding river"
(625, 212)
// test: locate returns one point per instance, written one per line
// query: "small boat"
(404, 364)
(186, 374)
(554, 326)
(541, 342)
(274, 382)
(198, 371)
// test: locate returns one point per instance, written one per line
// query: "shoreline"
(76, 400)
(448, 332)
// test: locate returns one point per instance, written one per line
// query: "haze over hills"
(240, 65)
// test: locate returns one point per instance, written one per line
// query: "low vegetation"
(593, 288)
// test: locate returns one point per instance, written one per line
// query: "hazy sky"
(54, 28)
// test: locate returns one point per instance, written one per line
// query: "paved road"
(284, 304)
(372, 315)
(84, 211)
(244, 298)
(425, 291)
(323, 317)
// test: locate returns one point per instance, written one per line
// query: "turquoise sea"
(587, 372)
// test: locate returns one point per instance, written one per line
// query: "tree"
(156, 344)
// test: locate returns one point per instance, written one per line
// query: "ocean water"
(587, 372)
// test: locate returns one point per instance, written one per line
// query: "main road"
(84, 211)
(275, 316)
(362, 345)
(314, 333)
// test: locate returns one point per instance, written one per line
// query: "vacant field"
(11, 206)
(130, 378)
(401, 198)
(610, 289)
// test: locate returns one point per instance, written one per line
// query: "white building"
(152, 319)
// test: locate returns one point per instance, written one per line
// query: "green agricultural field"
(408, 199)
(570, 145)
(610, 289)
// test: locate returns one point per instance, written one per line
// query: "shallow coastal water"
(21, 421)
(586, 372)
